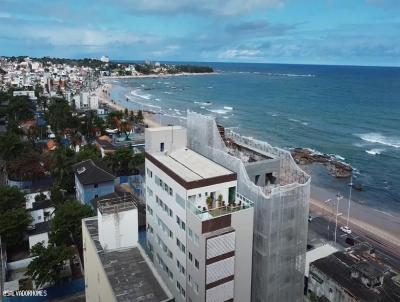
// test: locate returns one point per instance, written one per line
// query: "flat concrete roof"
(190, 165)
(128, 271)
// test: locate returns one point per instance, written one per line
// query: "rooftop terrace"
(190, 165)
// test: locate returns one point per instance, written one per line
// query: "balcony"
(214, 210)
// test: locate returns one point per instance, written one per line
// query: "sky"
(348, 32)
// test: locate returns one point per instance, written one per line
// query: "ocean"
(350, 112)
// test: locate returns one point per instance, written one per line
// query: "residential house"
(91, 181)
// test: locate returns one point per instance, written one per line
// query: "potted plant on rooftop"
(209, 201)
(220, 199)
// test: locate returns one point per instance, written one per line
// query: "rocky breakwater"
(337, 168)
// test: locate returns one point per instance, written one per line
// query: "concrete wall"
(173, 137)
(98, 288)
(242, 222)
(34, 239)
(119, 229)
(261, 168)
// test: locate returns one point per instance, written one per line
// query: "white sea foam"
(137, 93)
(158, 100)
(338, 157)
(378, 138)
(167, 92)
(203, 103)
(218, 111)
(228, 108)
(376, 151)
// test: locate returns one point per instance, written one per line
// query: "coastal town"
(103, 203)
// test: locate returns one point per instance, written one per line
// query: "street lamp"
(329, 220)
(338, 198)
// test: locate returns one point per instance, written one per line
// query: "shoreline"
(155, 76)
(377, 224)
(104, 98)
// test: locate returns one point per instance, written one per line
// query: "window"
(199, 194)
(180, 245)
(180, 288)
(190, 233)
(161, 147)
(96, 196)
(180, 267)
(190, 256)
(196, 263)
(171, 192)
(149, 173)
(196, 239)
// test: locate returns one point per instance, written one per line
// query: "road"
(324, 227)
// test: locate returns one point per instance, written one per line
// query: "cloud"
(214, 7)
(260, 28)
(236, 53)
(168, 50)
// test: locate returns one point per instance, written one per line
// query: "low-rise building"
(350, 276)
(91, 181)
(116, 267)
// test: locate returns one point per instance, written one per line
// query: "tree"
(11, 198)
(59, 114)
(28, 166)
(61, 161)
(67, 223)
(57, 196)
(48, 263)
(11, 146)
(139, 117)
(88, 152)
(123, 161)
(13, 224)
(20, 109)
(113, 119)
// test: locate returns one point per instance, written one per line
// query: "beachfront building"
(280, 190)
(91, 181)
(116, 267)
(199, 227)
(352, 275)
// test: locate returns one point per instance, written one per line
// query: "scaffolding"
(280, 211)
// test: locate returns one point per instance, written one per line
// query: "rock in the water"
(304, 156)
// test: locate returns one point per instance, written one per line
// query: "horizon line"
(219, 62)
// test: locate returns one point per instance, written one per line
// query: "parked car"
(345, 229)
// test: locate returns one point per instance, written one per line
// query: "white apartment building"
(199, 229)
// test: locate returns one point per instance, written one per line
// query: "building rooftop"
(338, 267)
(88, 173)
(129, 272)
(190, 165)
(40, 228)
(116, 201)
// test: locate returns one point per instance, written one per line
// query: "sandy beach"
(103, 93)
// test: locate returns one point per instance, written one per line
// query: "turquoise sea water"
(350, 112)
